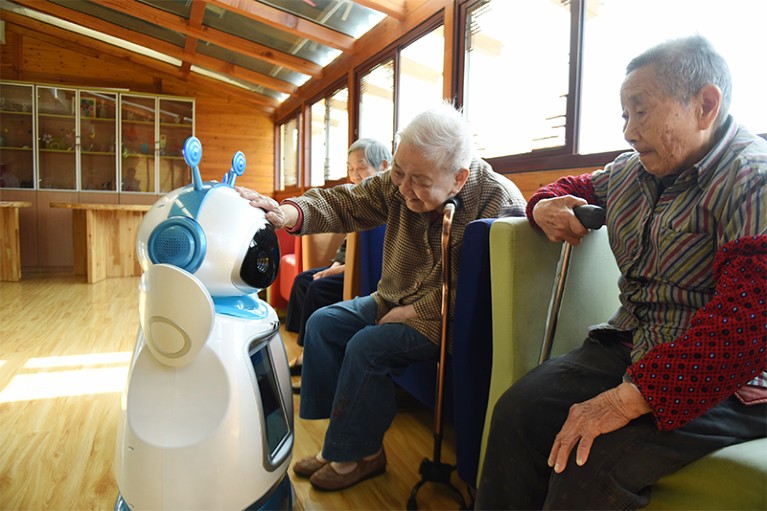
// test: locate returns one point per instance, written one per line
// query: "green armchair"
(523, 264)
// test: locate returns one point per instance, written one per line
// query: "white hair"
(443, 135)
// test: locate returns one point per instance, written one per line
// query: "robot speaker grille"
(172, 244)
(178, 241)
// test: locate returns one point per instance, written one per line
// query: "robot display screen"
(275, 422)
(262, 260)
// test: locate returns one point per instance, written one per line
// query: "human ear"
(460, 179)
(710, 100)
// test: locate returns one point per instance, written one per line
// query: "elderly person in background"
(350, 348)
(318, 287)
(677, 372)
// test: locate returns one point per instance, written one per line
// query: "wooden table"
(105, 239)
(10, 247)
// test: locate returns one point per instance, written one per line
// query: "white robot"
(207, 413)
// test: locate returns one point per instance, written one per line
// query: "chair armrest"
(352, 271)
(523, 265)
(318, 250)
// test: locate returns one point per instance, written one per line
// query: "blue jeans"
(345, 377)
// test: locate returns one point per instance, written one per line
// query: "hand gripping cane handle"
(592, 217)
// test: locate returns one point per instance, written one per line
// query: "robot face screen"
(262, 260)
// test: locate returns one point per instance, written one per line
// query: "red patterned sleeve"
(579, 186)
(724, 348)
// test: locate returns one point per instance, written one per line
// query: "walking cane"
(592, 217)
(436, 471)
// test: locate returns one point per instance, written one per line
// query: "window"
(406, 84)
(420, 75)
(516, 75)
(532, 106)
(289, 154)
(330, 138)
(377, 103)
(604, 61)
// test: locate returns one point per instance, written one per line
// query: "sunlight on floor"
(120, 357)
(52, 382)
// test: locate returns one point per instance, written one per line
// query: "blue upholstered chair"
(468, 370)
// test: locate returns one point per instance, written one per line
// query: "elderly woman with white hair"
(351, 347)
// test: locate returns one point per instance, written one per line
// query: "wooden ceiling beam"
(227, 41)
(288, 23)
(71, 41)
(196, 15)
(397, 9)
(158, 45)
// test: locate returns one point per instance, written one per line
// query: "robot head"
(208, 230)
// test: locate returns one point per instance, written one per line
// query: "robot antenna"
(193, 157)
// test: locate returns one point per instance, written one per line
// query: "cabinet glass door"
(98, 132)
(56, 134)
(176, 125)
(17, 161)
(137, 114)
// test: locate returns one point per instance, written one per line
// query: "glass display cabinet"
(137, 114)
(176, 125)
(17, 162)
(98, 133)
(56, 135)
(153, 134)
(69, 138)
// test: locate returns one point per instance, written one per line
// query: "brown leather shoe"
(307, 466)
(328, 479)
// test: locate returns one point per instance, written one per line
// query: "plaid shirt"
(412, 252)
(665, 240)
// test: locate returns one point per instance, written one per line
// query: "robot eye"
(262, 260)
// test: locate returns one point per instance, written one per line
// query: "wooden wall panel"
(54, 231)
(529, 182)
(225, 127)
(224, 123)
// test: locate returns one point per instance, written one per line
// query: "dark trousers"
(622, 465)
(307, 295)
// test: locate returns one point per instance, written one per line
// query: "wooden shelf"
(14, 112)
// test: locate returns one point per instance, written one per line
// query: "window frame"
(562, 157)
(393, 51)
(551, 158)
(296, 114)
(326, 94)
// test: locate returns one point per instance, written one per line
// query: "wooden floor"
(64, 351)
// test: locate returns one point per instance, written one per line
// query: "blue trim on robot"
(244, 306)
(189, 201)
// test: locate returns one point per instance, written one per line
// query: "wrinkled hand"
(609, 411)
(399, 314)
(334, 269)
(274, 213)
(555, 216)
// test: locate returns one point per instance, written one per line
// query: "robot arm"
(176, 313)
